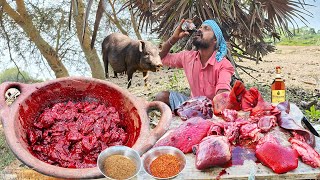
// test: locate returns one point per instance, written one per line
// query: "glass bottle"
(189, 26)
(278, 88)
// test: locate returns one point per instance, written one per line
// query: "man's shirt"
(203, 81)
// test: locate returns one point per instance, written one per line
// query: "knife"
(309, 126)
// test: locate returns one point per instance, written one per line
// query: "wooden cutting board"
(250, 169)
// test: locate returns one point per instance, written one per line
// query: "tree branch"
(9, 47)
(33, 34)
(21, 8)
(59, 33)
(134, 24)
(90, 54)
(115, 20)
(12, 13)
(67, 39)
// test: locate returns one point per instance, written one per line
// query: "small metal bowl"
(153, 153)
(119, 150)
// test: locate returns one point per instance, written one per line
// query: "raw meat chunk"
(189, 133)
(279, 158)
(212, 151)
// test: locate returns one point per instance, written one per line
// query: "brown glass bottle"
(278, 88)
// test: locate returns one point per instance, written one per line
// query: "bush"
(301, 40)
(13, 75)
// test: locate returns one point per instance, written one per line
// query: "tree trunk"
(134, 24)
(21, 17)
(90, 54)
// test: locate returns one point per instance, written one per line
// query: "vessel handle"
(24, 89)
(165, 119)
(161, 128)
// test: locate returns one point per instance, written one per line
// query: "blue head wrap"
(221, 42)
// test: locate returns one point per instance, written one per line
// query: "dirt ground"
(300, 69)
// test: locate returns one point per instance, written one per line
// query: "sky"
(314, 22)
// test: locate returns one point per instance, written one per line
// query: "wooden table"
(249, 170)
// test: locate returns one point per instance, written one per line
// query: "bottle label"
(278, 96)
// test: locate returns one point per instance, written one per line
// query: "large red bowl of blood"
(22, 125)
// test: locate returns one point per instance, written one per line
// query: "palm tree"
(245, 22)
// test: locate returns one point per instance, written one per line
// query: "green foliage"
(173, 80)
(238, 51)
(13, 75)
(176, 48)
(301, 40)
(313, 114)
(302, 37)
(6, 156)
(177, 82)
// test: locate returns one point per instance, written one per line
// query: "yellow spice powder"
(119, 167)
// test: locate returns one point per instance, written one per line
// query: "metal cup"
(154, 153)
(119, 150)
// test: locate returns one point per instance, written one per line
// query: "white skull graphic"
(11, 95)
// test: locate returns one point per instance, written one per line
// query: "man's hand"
(222, 90)
(177, 34)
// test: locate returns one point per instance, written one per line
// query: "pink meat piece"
(212, 151)
(306, 152)
(249, 131)
(298, 136)
(220, 102)
(253, 101)
(45, 120)
(73, 134)
(272, 154)
(98, 128)
(216, 128)
(229, 100)
(87, 125)
(241, 121)
(231, 131)
(189, 133)
(88, 143)
(70, 113)
(265, 123)
(199, 106)
(254, 119)
(229, 115)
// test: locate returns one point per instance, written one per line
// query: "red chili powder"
(165, 166)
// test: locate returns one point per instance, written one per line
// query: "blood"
(72, 134)
(222, 172)
(240, 154)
